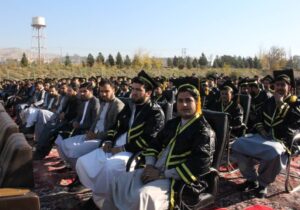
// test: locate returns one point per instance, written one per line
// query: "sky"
(160, 28)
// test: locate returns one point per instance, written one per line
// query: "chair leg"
(229, 167)
(288, 187)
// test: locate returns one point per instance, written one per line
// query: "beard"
(138, 100)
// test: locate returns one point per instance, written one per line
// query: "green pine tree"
(127, 61)
(67, 61)
(100, 58)
(90, 60)
(24, 60)
(119, 60)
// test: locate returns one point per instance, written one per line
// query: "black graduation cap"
(253, 82)
(228, 85)
(212, 77)
(147, 79)
(186, 80)
(243, 82)
(268, 78)
(287, 75)
(92, 78)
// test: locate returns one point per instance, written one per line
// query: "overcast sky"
(160, 27)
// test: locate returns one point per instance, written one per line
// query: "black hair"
(107, 82)
(87, 85)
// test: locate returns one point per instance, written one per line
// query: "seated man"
(31, 114)
(136, 125)
(51, 130)
(76, 146)
(230, 106)
(180, 155)
(51, 115)
(36, 101)
(258, 98)
(276, 127)
(87, 113)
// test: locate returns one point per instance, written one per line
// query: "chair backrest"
(219, 123)
(245, 102)
(7, 127)
(168, 110)
(2, 109)
(16, 163)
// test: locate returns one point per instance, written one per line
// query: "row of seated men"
(103, 136)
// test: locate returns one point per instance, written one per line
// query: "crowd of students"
(98, 124)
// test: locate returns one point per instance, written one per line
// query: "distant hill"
(16, 54)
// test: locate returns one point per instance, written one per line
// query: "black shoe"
(248, 185)
(89, 205)
(261, 192)
(28, 130)
(37, 156)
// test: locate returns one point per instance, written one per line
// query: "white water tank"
(38, 22)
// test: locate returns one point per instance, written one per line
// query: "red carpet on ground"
(51, 178)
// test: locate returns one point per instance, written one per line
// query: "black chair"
(245, 102)
(219, 123)
(294, 152)
(2, 109)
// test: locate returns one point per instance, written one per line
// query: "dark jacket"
(92, 112)
(191, 149)
(281, 122)
(145, 126)
(114, 108)
(256, 107)
(235, 117)
(71, 108)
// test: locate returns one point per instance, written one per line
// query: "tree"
(100, 58)
(195, 63)
(203, 60)
(170, 62)
(189, 62)
(127, 61)
(274, 59)
(156, 63)
(137, 61)
(110, 60)
(181, 63)
(217, 62)
(24, 60)
(90, 60)
(175, 61)
(67, 61)
(119, 60)
(250, 62)
(256, 63)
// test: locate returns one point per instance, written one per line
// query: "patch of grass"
(60, 71)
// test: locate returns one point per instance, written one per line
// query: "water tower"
(38, 39)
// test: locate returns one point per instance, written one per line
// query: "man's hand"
(90, 135)
(107, 147)
(76, 124)
(278, 99)
(263, 133)
(116, 150)
(150, 174)
(62, 116)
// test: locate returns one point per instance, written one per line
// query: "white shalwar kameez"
(97, 168)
